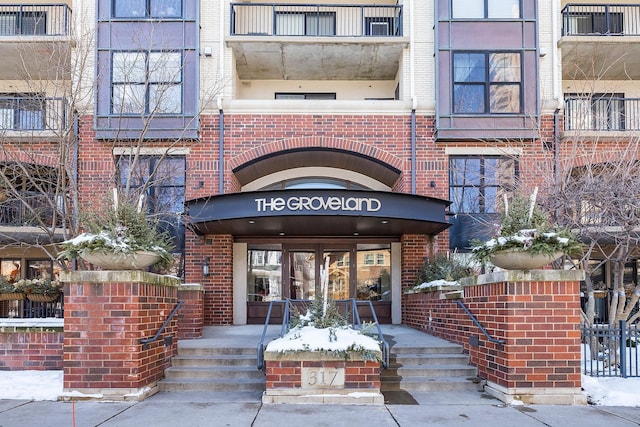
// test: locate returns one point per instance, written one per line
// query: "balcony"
(602, 115)
(31, 115)
(316, 41)
(29, 35)
(600, 41)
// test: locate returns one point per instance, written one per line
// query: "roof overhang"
(317, 212)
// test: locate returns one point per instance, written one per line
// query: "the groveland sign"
(317, 212)
(318, 203)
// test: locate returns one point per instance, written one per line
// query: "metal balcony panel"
(33, 58)
(292, 58)
(598, 57)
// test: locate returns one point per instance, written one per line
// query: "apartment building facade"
(282, 139)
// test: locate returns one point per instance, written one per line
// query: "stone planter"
(120, 261)
(319, 377)
(522, 260)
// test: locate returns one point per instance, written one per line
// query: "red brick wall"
(539, 322)
(104, 322)
(30, 350)
(190, 316)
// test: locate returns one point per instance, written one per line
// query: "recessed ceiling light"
(384, 221)
(251, 221)
(281, 234)
(356, 234)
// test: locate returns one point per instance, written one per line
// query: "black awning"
(317, 212)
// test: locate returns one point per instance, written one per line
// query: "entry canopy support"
(317, 212)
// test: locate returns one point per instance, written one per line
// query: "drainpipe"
(414, 101)
(221, 148)
(556, 146)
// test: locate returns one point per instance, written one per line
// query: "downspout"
(220, 110)
(221, 148)
(554, 51)
(414, 101)
(556, 146)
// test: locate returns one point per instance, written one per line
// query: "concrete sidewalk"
(211, 409)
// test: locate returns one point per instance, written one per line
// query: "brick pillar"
(191, 314)
(107, 313)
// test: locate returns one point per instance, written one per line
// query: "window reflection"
(374, 272)
(264, 275)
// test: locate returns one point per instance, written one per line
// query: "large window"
(147, 9)
(477, 184)
(495, 9)
(163, 181)
(305, 23)
(146, 82)
(487, 82)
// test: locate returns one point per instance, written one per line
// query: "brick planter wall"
(190, 316)
(536, 313)
(107, 313)
(315, 377)
(37, 348)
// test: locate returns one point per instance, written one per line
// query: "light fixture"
(384, 221)
(205, 267)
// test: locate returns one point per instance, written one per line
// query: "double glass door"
(293, 270)
(306, 264)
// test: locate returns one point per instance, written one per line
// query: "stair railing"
(477, 323)
(146, 341)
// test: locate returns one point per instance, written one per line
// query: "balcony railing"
(39, 20)
(601, 20)
(315, 20)
(27, 209)
(602, 113)
(32, 113)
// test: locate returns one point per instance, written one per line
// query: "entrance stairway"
(224, 363)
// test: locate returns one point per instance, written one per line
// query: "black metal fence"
(611, 350)
(601, 20)
(34, 20)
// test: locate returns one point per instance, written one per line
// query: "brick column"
(191, 314)
(107, 313)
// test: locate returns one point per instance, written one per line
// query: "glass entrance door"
(302, 274)
(339, 272)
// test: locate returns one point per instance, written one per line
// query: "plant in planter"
(443, 269)
(42, 290)
(323, 329)
(526, 238)
(10, 291)
(121, 237)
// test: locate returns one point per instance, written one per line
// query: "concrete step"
(216, 360)
(413, 359)
(192, 350)
(447, 348)
(435, 371)
(432, 384)
(214, 372)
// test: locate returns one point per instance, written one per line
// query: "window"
(146, 83)
(305, 23)
(23, 23)
(368, 259)
(147, 9)
(492, 9)
(487, 82)
(319, 95)
(163, 180)
(22, 112)
(477, 184)
(599, 111)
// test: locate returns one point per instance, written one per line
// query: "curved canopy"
(317, 212)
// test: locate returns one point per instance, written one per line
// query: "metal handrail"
(477, 323)
(355, 323)
(145, 341)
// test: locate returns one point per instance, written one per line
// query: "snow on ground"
(47, 385)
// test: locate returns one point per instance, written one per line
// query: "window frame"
(482, 187)
(144, 83)
(486, 6)
(149, 8)
(487, 84)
